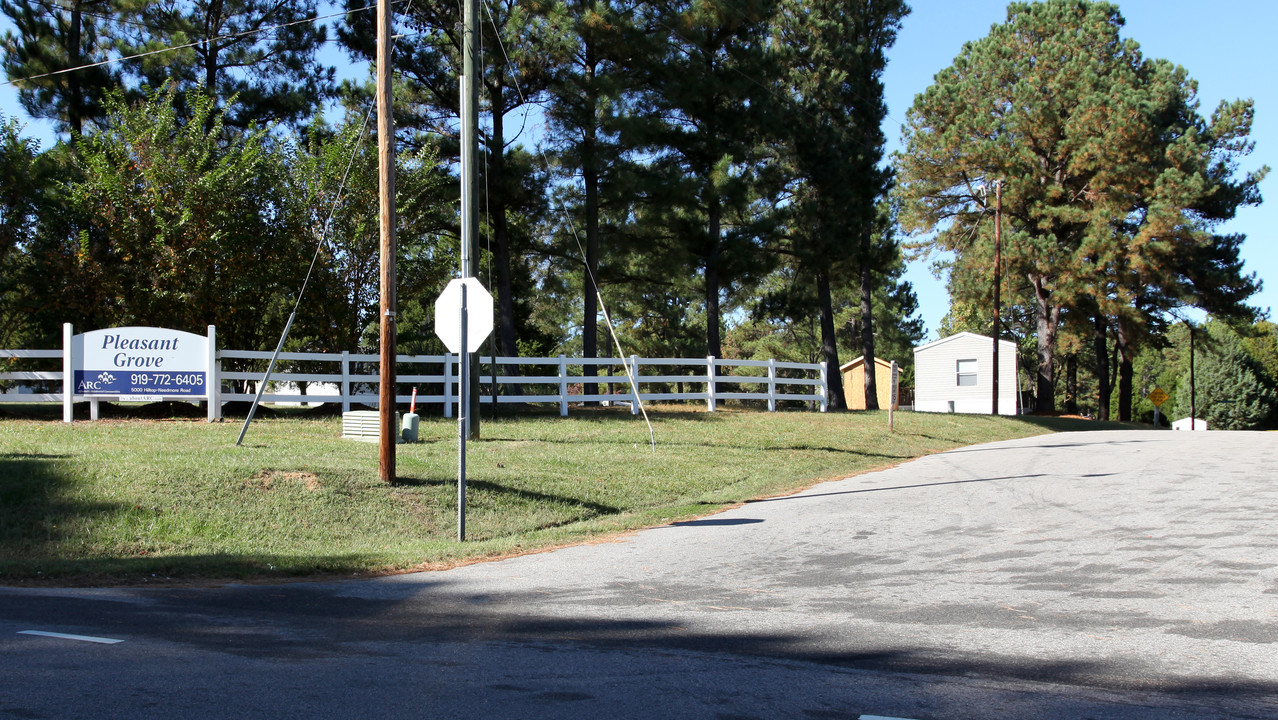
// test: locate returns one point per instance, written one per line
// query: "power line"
(171, 48)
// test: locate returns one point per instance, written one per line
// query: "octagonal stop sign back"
(479, 313)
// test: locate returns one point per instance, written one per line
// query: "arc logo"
(99, 383)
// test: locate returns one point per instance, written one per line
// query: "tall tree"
(587, 91)
(55, 38)
(701, 131)
(262, 52)
(834, 53)
(332, 191)
(23, 178)
(1111, 179)
(514, 73)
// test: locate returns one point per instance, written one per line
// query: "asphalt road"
(1086, 575)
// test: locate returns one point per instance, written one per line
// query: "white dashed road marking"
(64, 636)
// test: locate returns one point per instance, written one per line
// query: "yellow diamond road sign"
(1158, 397)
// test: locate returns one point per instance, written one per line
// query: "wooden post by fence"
(563, 386)
(825, 384)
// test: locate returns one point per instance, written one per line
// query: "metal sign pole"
(463, 404)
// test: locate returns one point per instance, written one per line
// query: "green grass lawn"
(131, 501)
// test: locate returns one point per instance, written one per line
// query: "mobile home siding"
(936, 375)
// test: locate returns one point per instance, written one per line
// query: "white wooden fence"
(559, 380)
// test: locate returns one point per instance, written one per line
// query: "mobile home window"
(966, 373)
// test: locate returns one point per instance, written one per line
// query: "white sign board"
(140, 363)
(479, 315)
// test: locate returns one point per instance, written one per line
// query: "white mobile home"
(954, 375)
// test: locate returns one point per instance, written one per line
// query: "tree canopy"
(706, 155)
(1113, 182)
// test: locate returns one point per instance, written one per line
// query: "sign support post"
(68, 372)
(1158, 396)
(467, 300)
(463, 420)
(213, 381)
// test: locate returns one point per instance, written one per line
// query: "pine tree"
(697, 121)
(1233, 390)
(831, 99)
(54, 38)
(261, 52)
(1112, 181)
(588, 89)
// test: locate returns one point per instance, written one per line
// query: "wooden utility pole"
(386, 203)
(998, 267)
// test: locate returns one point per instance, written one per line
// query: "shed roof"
(857, 361)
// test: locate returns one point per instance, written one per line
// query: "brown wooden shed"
(854, 382)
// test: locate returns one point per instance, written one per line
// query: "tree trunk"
(500, 231)
(714, 344)
(1048, 317)
(867, 325)
(75, 99)
(1071, 384)
(829, 349)
(1100, 345)
(1124, 376)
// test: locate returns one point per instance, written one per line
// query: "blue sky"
(1224, 45)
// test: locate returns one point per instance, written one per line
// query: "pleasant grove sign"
(141, 364)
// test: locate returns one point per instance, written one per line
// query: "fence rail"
(352, 378)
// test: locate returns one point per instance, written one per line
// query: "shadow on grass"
(37, 508)
(1073, 424)
(206, 570)
(702, 445)
(501, 490)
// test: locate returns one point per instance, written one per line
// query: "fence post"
(68, 373)
(213, 387)
(346, 381)
(634, 384)
(563, 386)
(825, 384)
(710, 400)
(448, 385)
(772, 384)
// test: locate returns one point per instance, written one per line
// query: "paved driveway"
(1100, 575)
